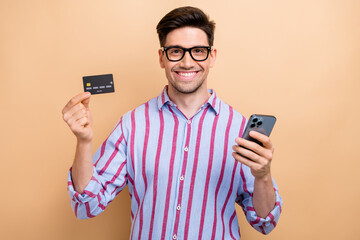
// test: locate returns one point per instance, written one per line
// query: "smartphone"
(260, 123)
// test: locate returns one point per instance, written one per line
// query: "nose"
(187, 61)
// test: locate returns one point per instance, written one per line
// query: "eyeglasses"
(198, 53)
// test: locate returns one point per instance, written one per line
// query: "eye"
(199, 51)
(175, 51)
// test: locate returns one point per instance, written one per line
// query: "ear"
(212, 57)
(161, 61)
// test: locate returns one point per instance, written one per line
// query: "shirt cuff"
(91, 190)
(267, 224)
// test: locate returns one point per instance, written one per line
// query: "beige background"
(298, 60)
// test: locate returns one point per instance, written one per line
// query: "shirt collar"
(163, 98)
(213, 101)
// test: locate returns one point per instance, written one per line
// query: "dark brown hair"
(185, 17)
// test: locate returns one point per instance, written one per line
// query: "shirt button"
(174, 236)
(178, 207)
(186, 149)
(182, 178)
(189, 122)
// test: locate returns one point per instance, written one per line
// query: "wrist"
(83, 141)
(83, 147)
(264, 178)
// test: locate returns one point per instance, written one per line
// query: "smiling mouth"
(188, 74)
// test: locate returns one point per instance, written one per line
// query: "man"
(175, 152)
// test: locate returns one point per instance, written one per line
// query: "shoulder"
(137, 114)
(226, 109)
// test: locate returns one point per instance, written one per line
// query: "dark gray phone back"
(260, 123)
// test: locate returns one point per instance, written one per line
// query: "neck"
(189, 103)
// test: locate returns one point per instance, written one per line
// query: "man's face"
(187, 75)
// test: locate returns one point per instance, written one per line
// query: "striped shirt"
(182, 178)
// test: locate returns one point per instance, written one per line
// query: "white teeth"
(186, 74)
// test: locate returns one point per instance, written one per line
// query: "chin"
(186, 89)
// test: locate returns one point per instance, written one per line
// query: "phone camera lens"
(259, 123)
(255, 120)
(252, 125)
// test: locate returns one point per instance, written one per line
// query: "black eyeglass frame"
(165, 49)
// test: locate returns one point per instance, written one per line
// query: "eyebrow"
(185, 47)
(174, 46)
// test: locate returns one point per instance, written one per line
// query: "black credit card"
(97, 84)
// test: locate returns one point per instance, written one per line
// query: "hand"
(260, 156)
(77, 115)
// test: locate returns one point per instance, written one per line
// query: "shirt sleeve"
(244, 199)
(109, 177)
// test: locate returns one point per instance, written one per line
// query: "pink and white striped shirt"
(182, 178)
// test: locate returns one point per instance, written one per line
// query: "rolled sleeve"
(109, 177)
(90, 191)
(89, 204)
(245, 197)
(263, 225)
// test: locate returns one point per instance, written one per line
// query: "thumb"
(86, 102)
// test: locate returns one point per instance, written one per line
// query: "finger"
(265, 140)
(84, 121)
(249, 145)
(243, 160)
(247, 154)
(86, 102)
(257, 149)
(75, 100)
(69, 114)
(79, 125)
(82, 112)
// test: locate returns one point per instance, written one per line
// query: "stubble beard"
(187, 89)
